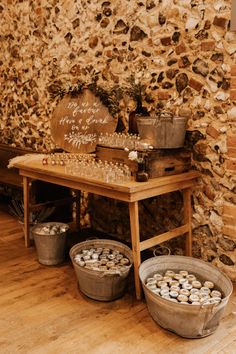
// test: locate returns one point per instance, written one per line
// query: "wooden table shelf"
(131, 192)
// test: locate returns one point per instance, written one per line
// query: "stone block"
(180, 49)
(166, 41)
(233, 95)
(162, 95)
(214, 133)
(233, 83)
(233, 70)
(232, 152)
(196, 85)
(230, 210)
(208, 46)
(231, 165)
(220, 21)
(231, 141)
(230, 231)
(229, 220)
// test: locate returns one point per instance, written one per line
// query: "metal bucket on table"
(164, 131)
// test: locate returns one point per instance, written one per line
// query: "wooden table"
(131, 192)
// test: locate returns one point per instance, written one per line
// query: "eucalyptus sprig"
(57, 91)
(110, 98)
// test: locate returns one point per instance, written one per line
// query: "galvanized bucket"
(50, 248)
(190, 321)
(99, 285)
(164, 131)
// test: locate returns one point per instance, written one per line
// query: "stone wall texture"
(180, 53)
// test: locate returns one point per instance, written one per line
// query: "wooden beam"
(156, 240)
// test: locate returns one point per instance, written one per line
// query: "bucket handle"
(165, 116)
(208, 317)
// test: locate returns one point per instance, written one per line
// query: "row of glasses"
(99, 170)
(119, 140)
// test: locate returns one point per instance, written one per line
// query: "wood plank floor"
(43, 312)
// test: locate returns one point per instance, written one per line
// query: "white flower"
(133, 155)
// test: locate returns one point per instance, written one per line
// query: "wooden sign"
(78, 121)
(233, 16)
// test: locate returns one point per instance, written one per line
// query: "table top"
(127, 191)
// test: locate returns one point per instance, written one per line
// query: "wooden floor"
(42, 311)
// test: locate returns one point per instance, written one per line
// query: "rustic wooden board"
(160, 162)
(78, 121)
(233, 16)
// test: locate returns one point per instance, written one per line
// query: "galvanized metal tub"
(190, 321)
(99, 285)
(163, 132)
(50, 248)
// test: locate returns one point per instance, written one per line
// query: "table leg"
(188, 220)
(77, 209)
(26, 192)
(135, 239)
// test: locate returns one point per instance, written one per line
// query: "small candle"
(208, 284)
(164, 292)
(111, 257)
(191, 277)
(162, 283)
(178, 276)
(216, 293)
(184, 273)
(151, 280)
(158, 276)
(187, 286)
(169, 273)
(205, 290)
(174, 283)
(175, 288)
(184, 292)
(167, 279)
(124, 261)
(194, 291)
(193, 298)
(173, 293)
(151, 286)
(196, 284)
(81, 263)
(182, 298)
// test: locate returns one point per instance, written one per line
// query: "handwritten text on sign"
(81, 120)
(75, 137)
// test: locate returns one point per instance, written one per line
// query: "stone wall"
(169, 54)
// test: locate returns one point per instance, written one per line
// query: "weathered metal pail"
(163, 132)
(99, 285)
(190, 321)
(50, 248)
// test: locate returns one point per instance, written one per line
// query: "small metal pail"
(50, 248)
